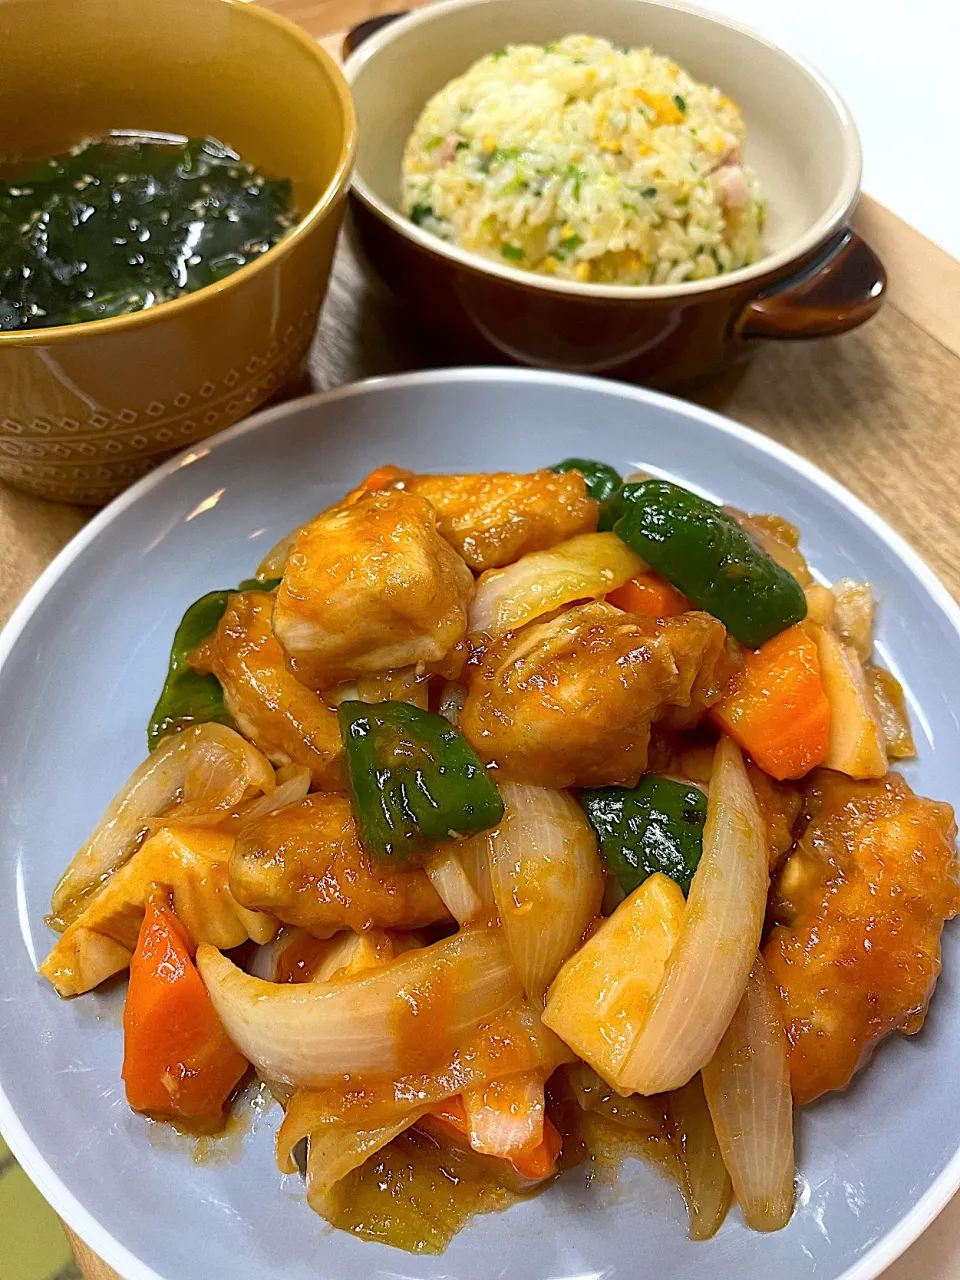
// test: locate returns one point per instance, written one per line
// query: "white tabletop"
(897, 65)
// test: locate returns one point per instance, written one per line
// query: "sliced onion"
(192, 863)
(780, 539)
(293, 783)
(547, 880)
(747, 1085)
(707, 970)
(639, 1114)
(706, 1184)
(334, 1150)
(505, 1117)
(474, 856)
(583, 568)
(451, 702)
(222, 770)
(892, 711)
(514, 1043)
(856, 744)
(853, 616)
(150, 791)
(449, 877)
(264, 961)
(401, 1018)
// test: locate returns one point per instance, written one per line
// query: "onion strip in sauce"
(707, 970)
(406, 1015)
(747, 1085)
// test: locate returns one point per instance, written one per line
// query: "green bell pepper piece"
(706, 554)
(656, 826)
(188, 697)
(604, 486)
(413, 778)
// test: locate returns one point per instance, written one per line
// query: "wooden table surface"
(879, 409)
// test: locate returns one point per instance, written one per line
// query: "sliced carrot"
(178, 1061)
(650, 595)
(452, 1116)
(780, 714)
(540, 1161)
(537, 1163)
(383, 477)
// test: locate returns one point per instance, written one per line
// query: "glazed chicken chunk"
(371, 587)
(492, 520)
(305, 865)
(285, 719)
(862, 899)
(570, 702)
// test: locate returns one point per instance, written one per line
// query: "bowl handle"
(364, 30)
(839, 290)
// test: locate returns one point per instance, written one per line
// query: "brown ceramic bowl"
(817, 278)
(87, 408)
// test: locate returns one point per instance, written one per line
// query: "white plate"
(81, 663)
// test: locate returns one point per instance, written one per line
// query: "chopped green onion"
(575, 175)
(549, 48)
(680, 103)
(568, 245)
(648, 192)
(420, 213)
(512, 251)
(462, 144)
(431, 144)
(498, 54)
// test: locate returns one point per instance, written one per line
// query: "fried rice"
(588, 162)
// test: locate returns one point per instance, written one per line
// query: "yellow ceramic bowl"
(87, 408)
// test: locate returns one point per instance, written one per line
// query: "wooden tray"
(879, 409)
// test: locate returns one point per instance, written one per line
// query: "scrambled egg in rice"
(587, 162)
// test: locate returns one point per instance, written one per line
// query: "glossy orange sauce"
(417, 1193)
(297, 961)
(421, 1189)
(423, 1018)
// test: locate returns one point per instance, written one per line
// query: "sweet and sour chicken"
(485, 838)
(371, 587)
(570, 702)
(270, 706)
(305, 865)
(862, 900)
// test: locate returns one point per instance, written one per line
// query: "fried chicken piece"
(371, 587)
(492, 520)
(862, 901)
(306, 866)
(570, 702)
(285, 719)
